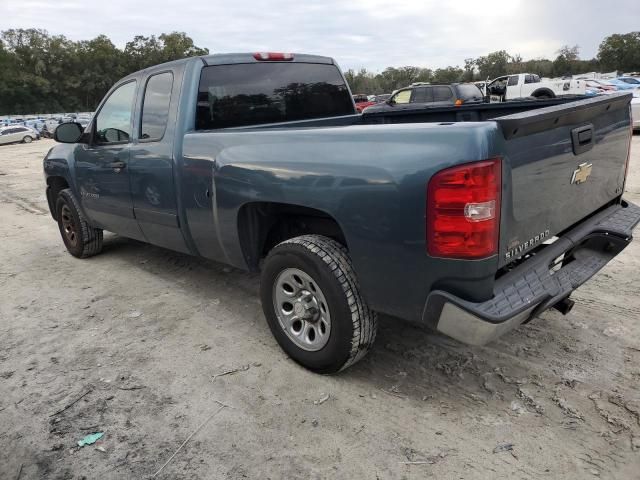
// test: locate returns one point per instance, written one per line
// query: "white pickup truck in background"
(525, 85)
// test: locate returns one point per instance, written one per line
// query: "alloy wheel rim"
(302, 309)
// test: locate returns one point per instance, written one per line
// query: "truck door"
(514, 87)
(151, 164)
(497, 90)
(102, 165)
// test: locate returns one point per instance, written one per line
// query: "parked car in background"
(381, 98)
(34, 123)
(633, 81)
(526, 85)
(362, 101)
(619, 84)
(635, 110)
(83, 120)
(52, 123)
(425, 95)
(17, 133)
(599, 87)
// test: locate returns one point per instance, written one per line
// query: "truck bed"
(476, 112)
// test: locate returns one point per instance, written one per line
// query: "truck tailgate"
(561, 164)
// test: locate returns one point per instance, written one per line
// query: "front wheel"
(311, 299)
(80, 238)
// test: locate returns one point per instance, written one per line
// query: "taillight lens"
(463, 211)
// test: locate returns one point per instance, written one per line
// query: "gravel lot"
(145, 338)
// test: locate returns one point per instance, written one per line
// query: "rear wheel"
(311, 299)
(81, 239)
(27, 139)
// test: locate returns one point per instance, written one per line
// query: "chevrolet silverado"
(471, 220)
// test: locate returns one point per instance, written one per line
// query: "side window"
(403, 96)
(528, 79)
(155, 109)
(442, 94)
(418, 95)
(513, 81)
(113, 123)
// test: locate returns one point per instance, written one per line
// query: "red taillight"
(463, 210)
(273, 56)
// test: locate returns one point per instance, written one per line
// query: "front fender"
(59, 167)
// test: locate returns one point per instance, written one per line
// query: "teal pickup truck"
(471, 220)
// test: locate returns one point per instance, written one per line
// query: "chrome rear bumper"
(532, 287)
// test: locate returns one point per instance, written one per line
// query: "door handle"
(118, 165)
(582, 139)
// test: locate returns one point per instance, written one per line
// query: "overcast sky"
(358, 33)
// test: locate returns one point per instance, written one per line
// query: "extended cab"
(526, 85)
(260, 161)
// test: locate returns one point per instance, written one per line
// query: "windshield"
(259, 93)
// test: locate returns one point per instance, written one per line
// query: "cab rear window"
(259, 93)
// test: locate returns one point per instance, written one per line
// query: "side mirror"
(69, 132)
(391, 102)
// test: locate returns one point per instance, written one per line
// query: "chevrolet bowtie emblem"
(581, 173)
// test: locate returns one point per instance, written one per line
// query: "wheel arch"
(543, 92)
(55, 184)
(263, 225)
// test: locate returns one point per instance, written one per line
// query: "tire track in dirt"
(6, 196)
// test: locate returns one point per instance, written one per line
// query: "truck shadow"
(407, 362)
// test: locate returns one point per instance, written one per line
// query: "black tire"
(81, 239)
(27, 139)
(353, 324)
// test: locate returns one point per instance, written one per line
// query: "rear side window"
(469, 91)
(270, 92)
(155, 109)
(442, 94)
(422, 95)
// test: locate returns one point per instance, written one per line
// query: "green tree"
(493, 65)
(448, 75)
(49, 73)
(566, 61)
(620, 52)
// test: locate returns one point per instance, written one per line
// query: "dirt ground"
(138, 343)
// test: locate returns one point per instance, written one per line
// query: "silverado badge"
(581, 173)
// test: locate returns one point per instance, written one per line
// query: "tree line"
(616, 52)
(41, 73)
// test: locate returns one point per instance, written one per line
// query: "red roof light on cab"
(273, 56)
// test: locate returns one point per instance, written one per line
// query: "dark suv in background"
(427, 95)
